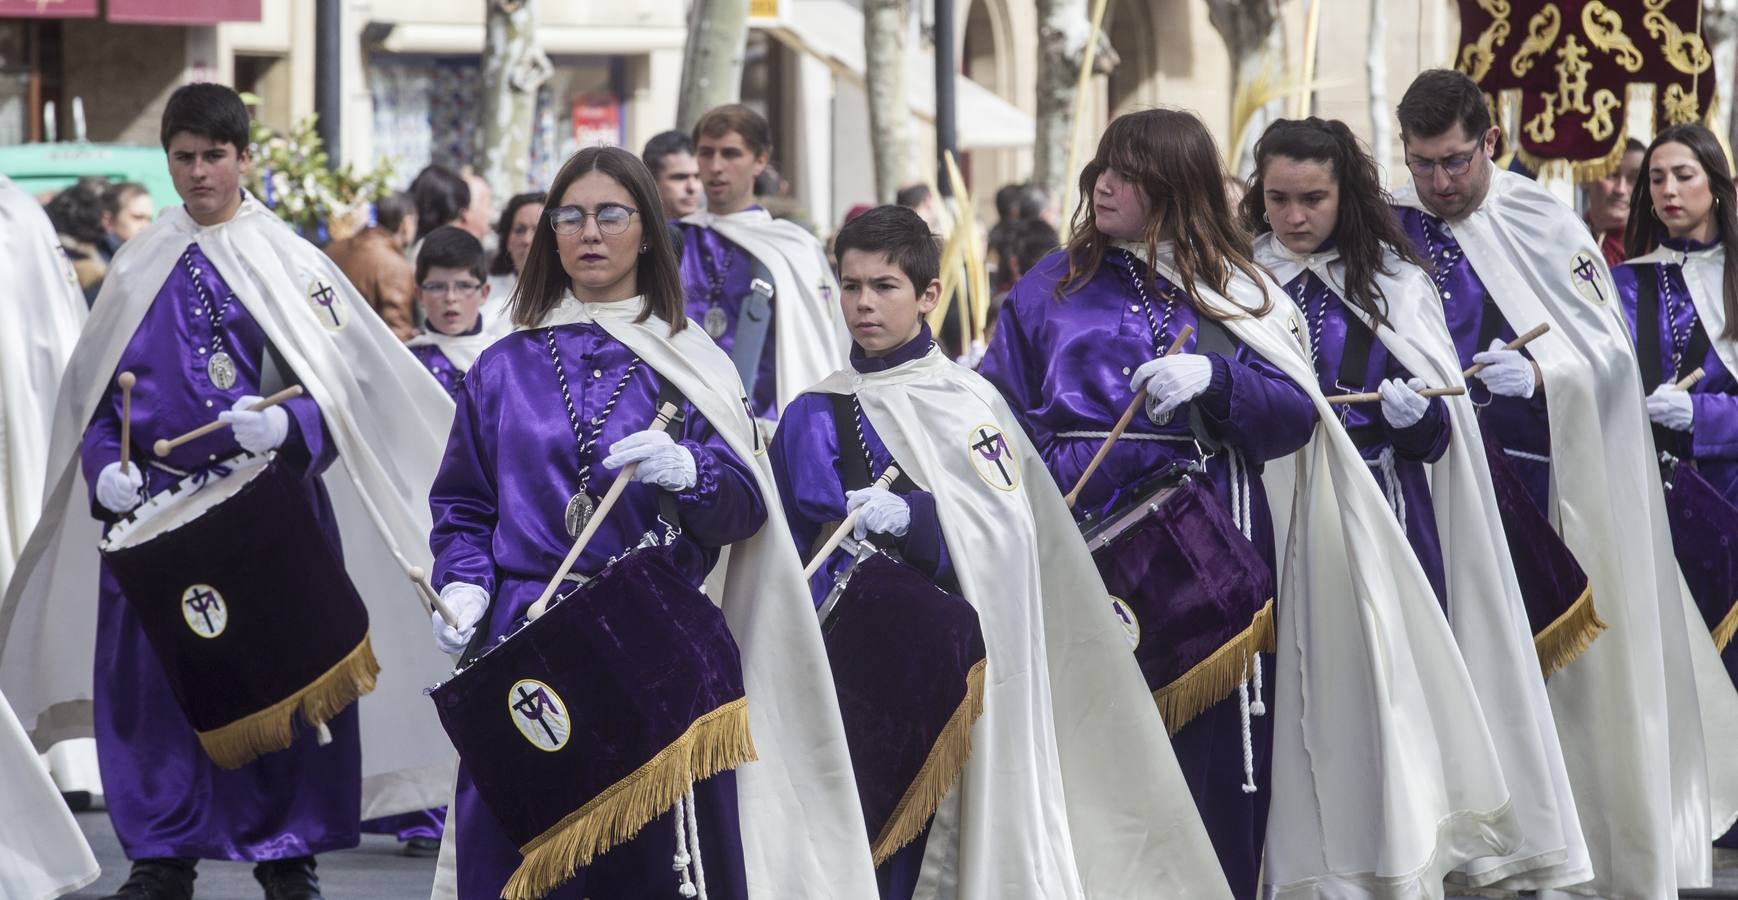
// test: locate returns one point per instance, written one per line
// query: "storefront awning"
(48, 9)
(183, 12)
(832, 31)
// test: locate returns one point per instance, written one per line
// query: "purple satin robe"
(443, 369)
(1521, 426)
(709, 257)
(165, 796)
(1408, 449)
(1064, 367)
(499, 503)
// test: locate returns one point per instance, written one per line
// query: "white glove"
(883, 512)
(1401, 405)
(1171, 381)
(117, 492)
(1666, 406)
(468, 603)
(1506, 373)
(260, 431)
(663, 462)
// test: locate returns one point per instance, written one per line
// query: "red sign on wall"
(48, 9)
(182, 12)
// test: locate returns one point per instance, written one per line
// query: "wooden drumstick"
(1128, 415)
(431, 601)
(1689, 381)
(1515, 344)
(666, 412)
(162, 448)
(885, 481)
(1372, 397)
(126, 381)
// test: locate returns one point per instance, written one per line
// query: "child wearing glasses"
(451, 288)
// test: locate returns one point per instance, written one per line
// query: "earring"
(1264, 218)
(645, 248)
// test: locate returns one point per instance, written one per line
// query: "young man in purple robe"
(206, 334)
(452, 289)
(760, 287)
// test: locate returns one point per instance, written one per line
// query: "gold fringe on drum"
(1728, 627)
(272, 729)
(1214, 678)
(1568, 637)
(939, 772)
(717, 741)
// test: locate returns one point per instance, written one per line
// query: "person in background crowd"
(670, 157)
(1607, 210)
(480, 211)
(441, 197)
(127, 210)
(513, 234)
(77, 214)
(374, 261)
(919, 199)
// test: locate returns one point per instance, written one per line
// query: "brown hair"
(545, 280)
(1645, 228)
(1170, 155)
(721, 120)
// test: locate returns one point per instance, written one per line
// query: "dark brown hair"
(1645, 228)
(721, 120)
(502, 264)
(1171, 156)
(1439, 98)
(1365, 227)
(545, 280)
(899, 234)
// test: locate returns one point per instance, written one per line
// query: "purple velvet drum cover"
(584, 725)
(1559, 599)
(1705, 538)
(247, 606)
(1193, 594)
(908, 664)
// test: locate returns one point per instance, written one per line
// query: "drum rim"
(124, 528)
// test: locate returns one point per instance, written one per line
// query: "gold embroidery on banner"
(1571, 95)
(1684, 50)
(1542, 127)
(1598, 123)
(1477, 58)
(1604, 27)
(1680, 105)
(1541, 34)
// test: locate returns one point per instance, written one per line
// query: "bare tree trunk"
(712, 63)
(1249, 28)
(884, 60)
(1720, 29)
(514, 66)
(1376, 73)
(1063, 29)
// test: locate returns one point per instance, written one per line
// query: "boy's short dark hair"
(721, 120)
(1032, 240)
(209, 110)
(450, 247)
(899, 234)
(664, 144)
(1439, 98)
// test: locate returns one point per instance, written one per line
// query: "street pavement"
(376, 870)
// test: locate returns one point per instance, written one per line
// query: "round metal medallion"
(716, 323)
(221, 368)
(579, 511)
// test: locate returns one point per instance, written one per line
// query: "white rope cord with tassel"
(1248, 740)
(694, 845)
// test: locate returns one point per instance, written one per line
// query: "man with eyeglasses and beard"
(1567, 413)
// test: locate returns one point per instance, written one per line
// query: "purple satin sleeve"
(1714, 434)
(465, 503)
(1009, 364)
(1253, 406)
(307, 448)
(1425, 440)
(724, 505)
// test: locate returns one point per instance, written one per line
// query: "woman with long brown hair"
(1154, 250)
(547, 419)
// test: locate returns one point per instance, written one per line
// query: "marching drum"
(246, 604)
(583, 725)
(1192, 593)
(1705, 540)
(908, 665)
(1559, 598)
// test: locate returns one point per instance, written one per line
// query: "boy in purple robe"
(1305, 172)
(1086, 327)
(452, 288)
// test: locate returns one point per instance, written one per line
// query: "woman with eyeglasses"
(546, 420)
(513, 233)
(1325, 231)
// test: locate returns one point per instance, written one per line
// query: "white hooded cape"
(386, 417)
(1485, 607)
(42, 323)
(810, 339)
(1627, 708)
(461, 349)
(1385, 777)
(1065, 706)
(802, 827)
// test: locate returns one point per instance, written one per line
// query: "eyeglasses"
(611, 219)
(459, 289)
(1456, 165)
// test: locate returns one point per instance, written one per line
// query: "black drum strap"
(1698, 351)
(1491, 323)
(1356, 363)
(1647, 326)
(1211, 337)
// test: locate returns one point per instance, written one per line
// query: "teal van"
(47, 168)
